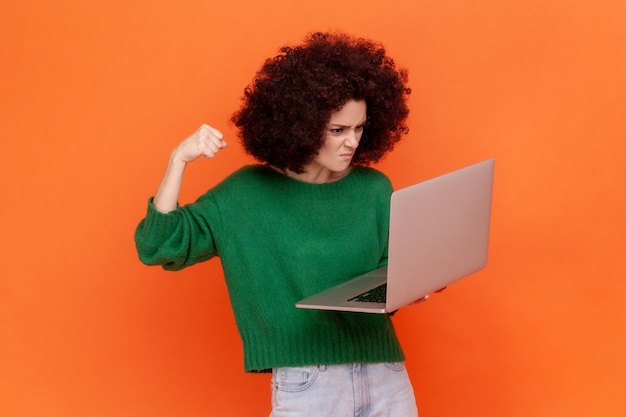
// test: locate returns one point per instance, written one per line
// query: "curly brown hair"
(288, 105)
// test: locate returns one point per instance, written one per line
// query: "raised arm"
(206, 141)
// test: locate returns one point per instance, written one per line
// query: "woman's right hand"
(206, 141)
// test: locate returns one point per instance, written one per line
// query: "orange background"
(95, 94)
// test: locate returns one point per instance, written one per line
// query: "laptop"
(438, 234)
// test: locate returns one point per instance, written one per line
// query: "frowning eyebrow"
(343, 125)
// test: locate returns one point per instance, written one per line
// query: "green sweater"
(280, 240)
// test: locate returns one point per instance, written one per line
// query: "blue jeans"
(352, 390)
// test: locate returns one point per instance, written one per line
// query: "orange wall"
(95, 94)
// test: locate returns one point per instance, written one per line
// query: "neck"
(319, 176)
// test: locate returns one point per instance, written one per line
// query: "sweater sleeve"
(179, 238)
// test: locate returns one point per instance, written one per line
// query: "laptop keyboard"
(375, 295)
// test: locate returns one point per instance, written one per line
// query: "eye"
(336, 131)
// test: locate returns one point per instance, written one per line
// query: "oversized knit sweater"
(280, 240)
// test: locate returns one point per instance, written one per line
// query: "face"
(342, 137)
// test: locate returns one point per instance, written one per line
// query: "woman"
(309, 216)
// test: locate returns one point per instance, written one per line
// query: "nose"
(352, 138)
